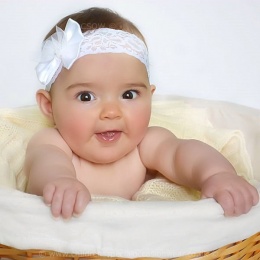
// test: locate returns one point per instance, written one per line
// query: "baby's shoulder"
(47, 133)
(48, 136)
(155, 138)
(157, 148)
(159, 133)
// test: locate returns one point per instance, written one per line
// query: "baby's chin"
(105, 158)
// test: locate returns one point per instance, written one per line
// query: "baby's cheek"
(141, 124)
(72, 131)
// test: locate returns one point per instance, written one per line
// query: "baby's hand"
(66, 196)
(233, 193)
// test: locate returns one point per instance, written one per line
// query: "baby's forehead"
(110, 63)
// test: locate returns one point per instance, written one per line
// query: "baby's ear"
(153, 88)
(43, 98)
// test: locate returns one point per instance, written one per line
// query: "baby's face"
(102, 106)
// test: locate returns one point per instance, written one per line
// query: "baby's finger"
(83, 198)
(245, 199)
(242, 202)
(47, 193)
(255, 195)
(69, 199)
(56, 204)
(226, 201)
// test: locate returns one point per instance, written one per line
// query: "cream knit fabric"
(16, 128)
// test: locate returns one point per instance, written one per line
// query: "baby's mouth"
(109, 136)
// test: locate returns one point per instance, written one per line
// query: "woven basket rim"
(248, 248)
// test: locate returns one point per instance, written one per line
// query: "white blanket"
(124, 229)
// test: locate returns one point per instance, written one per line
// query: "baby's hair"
(94, 18)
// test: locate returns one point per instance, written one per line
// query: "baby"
(97, 93)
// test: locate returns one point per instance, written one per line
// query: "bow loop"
(59, 50)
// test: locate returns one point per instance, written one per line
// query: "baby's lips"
(109, 136)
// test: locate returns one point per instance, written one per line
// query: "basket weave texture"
(242, 250)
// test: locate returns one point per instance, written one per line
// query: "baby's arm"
(194, 164)
(51, 173)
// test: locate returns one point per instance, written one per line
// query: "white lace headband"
(63, 48)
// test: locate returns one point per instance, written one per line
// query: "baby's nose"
(111, 110)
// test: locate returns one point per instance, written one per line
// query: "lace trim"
(105, 40)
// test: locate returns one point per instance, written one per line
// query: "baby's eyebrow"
(75, 85)
(136, 84)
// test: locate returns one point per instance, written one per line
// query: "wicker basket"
(245, 249)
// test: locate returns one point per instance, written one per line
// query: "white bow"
(61, 49)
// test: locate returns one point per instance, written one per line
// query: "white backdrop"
(198, 48)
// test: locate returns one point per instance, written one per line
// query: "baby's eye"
(85, 96)
(130, 94)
